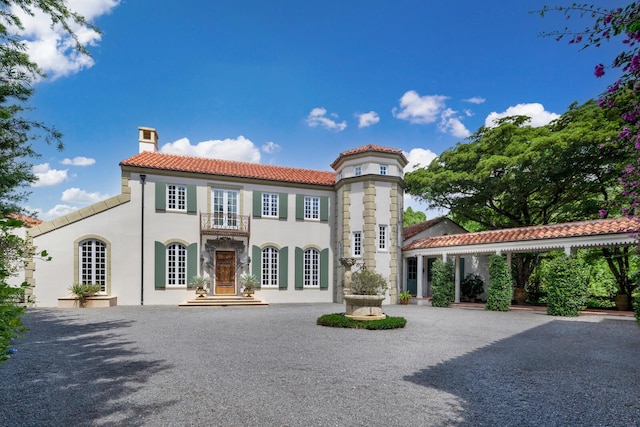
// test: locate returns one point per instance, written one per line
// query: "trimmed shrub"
(635, 301)
(338, 320)
(500, 289)
(368, 282)
(568, 287)
(443, 286)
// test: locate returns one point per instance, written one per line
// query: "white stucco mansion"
(179, 217)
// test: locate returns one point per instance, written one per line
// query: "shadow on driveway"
(87, 374)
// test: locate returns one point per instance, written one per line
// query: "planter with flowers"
(249, 283)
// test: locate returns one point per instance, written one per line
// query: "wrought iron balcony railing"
(224, 224)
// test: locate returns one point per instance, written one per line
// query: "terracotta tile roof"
(172, 162)
(367, 148)
(554, 231)
(28, 221)
(411, 230)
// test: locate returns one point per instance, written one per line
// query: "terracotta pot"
(519, 295)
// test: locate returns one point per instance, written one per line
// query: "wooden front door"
(225, 273)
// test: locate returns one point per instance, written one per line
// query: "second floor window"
(382, 237)
(176, 197)
(311, 207)
(357, 243)
(357, 171)
(383, 169)
(269, 204)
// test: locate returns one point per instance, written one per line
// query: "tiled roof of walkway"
(599, 227)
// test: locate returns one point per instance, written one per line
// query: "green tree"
(621, 25)
(515, 175)
(17, 133)
(413, 217)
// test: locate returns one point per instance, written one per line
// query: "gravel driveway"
(273, 366)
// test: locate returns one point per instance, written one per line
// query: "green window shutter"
(192, 262)
(256, 263)
(299, 268)
(324, 208)
(283, 268)
(192, 203)
(160, 265)
(299, 206)
(161, 196)
(283, 204)
(257, 204)
(324, 269)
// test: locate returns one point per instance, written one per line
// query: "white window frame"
(270, 205)
(269, 265)
(357, 171)
(383, 238)
(357, 243)
(93, 263)
(384, 169)
(176, 197)
(311, 270)
(224, 207)
(312, 208)
(176, 270)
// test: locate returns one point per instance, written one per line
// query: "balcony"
(221, 224)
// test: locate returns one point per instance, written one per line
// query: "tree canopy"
(513, 174)
(413, 217)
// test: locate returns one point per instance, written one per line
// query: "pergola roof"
(579, 234)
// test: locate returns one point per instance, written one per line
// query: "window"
(357, 171)
(311, 207)
(311, 268)
(382, 237)
(225, 208)
(383, 169)
(270, 204)
(357, 243)
(176, 197)
(269, 267)
(93, 263)
(176, 265)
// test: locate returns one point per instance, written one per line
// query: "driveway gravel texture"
(273, 366)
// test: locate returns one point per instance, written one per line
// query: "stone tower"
(369, 203)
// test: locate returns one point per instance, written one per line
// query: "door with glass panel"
(224, 208)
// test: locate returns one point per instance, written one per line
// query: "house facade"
(178, 217)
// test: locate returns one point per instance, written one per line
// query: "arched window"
(311, 268)
(93, 263)
(269, 267)
(176, 265)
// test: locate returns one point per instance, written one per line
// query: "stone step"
(223, 301)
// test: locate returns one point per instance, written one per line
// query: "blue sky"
(292, 83)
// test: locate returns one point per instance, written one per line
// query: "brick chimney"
(148, 140)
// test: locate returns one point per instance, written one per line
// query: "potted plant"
(404, 297)
(199, 283)
(84, 290)
(249, 282)
(472, 286)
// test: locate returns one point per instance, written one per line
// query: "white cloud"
(419, 109)
(55, 212)
(270, 147)
(81, 197)
(418, 157)
(79, 161)
(240, 149)
(475, 100)
(51, 48)
(317, 117)
(47, 177)
(539, 116)
(367, 119)
(451, 122)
